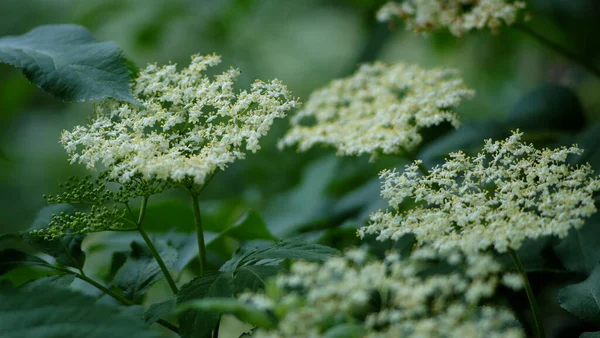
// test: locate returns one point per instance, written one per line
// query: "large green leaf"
(159, 310)
(253, 277)
(590, 335)
(549, 107)
(583, 299)
(580, 250)
(306, 203)
(11, 259)
(53, 312)
(66, 250)
(60, 281)
(248, 228)
(232, 306)
(67, 62)
(214, 284)
(274, 254)
(141, 270)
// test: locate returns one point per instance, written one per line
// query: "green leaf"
(68, 63)
(66, 250)
(11, 259)
(159, 310)
(253, 277)
(54, 312)
(273, 255)
(249, 227)
(590, 335)
(345, 331)
(583, 299)
(214, 284)
(60, 281)
(141, 270)
(579, 250)
(306, 203)
(232, 306)
(549, 107)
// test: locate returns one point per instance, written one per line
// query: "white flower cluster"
(390, 298)
(190, 124)
(509, 192)
(379, 109)
(458, 16)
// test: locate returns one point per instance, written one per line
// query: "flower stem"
(560, 49)
(199, 231)
(533, 305)
(159, 260)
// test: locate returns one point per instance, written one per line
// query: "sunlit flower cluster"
(379, 109)
(458, 16)
(509, 192)
(421, 296)
(190, 125)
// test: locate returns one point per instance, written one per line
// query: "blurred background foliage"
(519, 83)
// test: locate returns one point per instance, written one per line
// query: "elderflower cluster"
(509, 192)
(458, 16)
(190, 125)
(421, 296)
(379, 109)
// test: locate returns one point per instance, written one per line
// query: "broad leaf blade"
(583, 299)
(253, 277)
(290, 249)
(11, 259)
(274, 254)
(67, 62)
(197, 324)
(249, 227)
(141, 270)
(59, 312)
(59, 281)
(158, 311)
(232, 306)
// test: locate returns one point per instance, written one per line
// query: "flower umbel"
(421, 296)
(190, 126)
(379, 109)
(509, 192)
(458, 16)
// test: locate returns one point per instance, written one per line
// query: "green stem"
(199, 231)
(561, 50)
(533, 305)
(159, 260)
(114, 295)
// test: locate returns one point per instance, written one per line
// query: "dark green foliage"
(66, 250)
(140, 270)
(583, 299)
(50, 312)
(67, 62)
(198, 324)
(547, 108)
(12, 259)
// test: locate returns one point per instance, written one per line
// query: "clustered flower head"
(379, 109)
(509, 192)
(458, 16)
(190, 125)
(421, 296)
